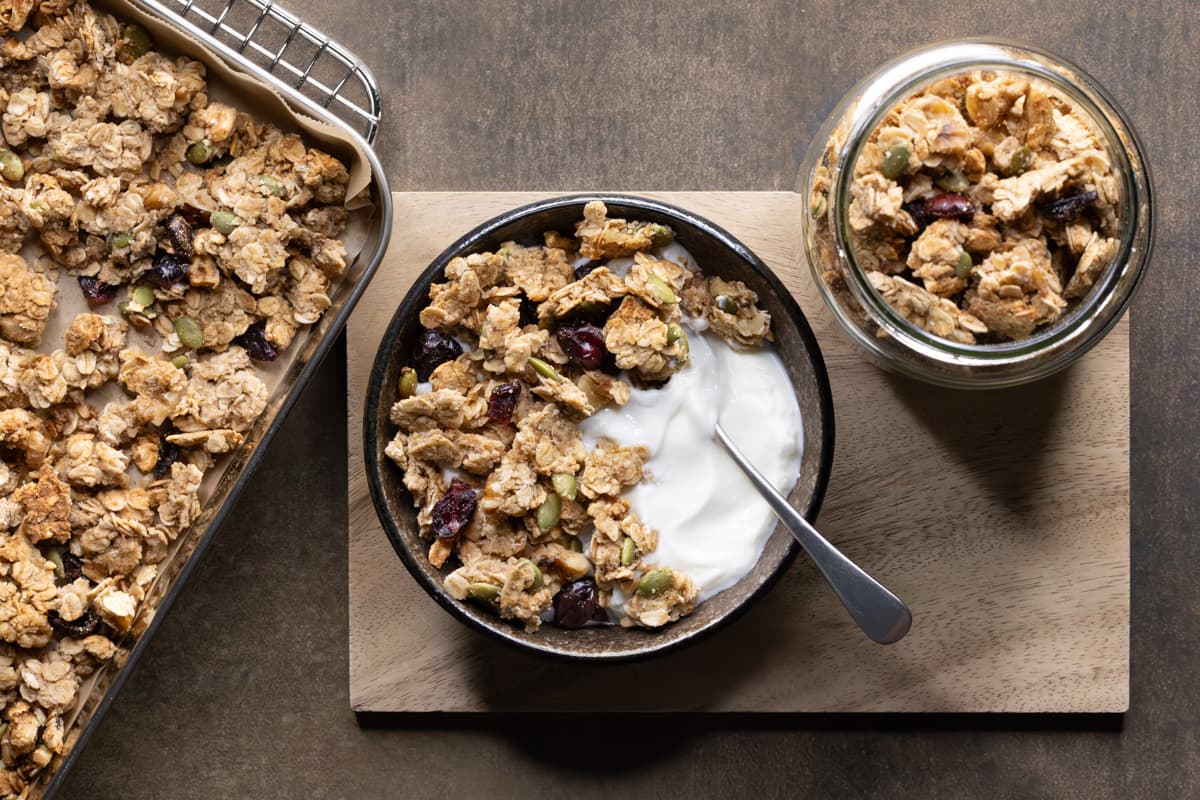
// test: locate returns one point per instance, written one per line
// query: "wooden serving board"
(1002, 518)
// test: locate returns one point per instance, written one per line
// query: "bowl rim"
(374, 462)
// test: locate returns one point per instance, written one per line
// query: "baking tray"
(333, 98)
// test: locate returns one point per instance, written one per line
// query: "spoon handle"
(881, 615)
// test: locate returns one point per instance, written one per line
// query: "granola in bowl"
(157, 250)
(544, 416)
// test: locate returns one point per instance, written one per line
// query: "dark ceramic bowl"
(716, 253)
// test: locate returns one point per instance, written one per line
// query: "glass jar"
(883, 331)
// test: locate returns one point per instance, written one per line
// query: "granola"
(201, 239)
(26, 300)
(525, 517)
(984, 207)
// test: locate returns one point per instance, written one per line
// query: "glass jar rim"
(902, 77)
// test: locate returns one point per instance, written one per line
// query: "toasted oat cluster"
(203, 241)
(518, 346)
(983, 207)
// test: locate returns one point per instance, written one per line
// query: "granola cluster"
(983, 207)
(203, 241)
(518, 346)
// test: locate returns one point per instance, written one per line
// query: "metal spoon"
(881, 615)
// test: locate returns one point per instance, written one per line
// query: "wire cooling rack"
(290, 50)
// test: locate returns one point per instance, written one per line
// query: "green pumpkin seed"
(200, 153)
(273, 185)
(953, 181)
(963, 268)
(660, 289)
(575, 546)
(674, 332)
(655, 582)
(629, 552)
(660, 235)
(136, 42)
(896, 161)
(564, 485)
(3, 728)
(11, 166)
(143, 296)
(408, 382)
(179, 361)
(222, 221)
(486, 593)
(536, 581)
(542, 368)
(189, 332)
(117, 241)
(549, 512)
(726, 304)
(1020, 161)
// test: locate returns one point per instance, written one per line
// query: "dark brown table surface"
(243, 693)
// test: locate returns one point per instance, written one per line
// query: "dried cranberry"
(948, 205)
(577, 605)
(583, 343)
(168, 454)
(433, 348)
(454, 510)
(503, 402)
(72, 567)
(529, 315)
(1068, 207)
(179, 234)
(96, 291)
(916, 210)
(168, 270)
(78, 628)
(584, 269)
(256, 344)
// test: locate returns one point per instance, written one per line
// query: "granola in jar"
(524, 495)
(983, 207)
(977, 214)
(202, 241)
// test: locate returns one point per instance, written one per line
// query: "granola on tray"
(984, 207)
(518, 347)
(203, 241)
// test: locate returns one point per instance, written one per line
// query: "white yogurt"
(712, 524)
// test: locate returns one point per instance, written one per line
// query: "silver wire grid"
(292, 51)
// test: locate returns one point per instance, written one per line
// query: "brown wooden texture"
(1001, 518)
(244, 690)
